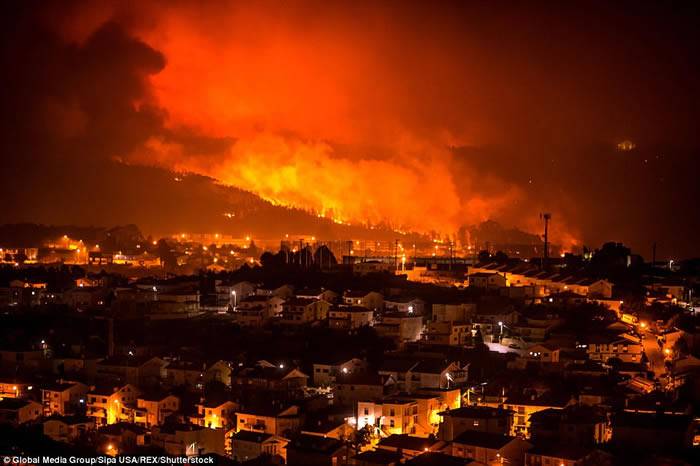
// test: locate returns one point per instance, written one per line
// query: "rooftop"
(652, 421)
(379, 457)
(407, 442)
(315, 444)
(563, 451)
(477, 412)
(12, 404)
(437, 459)
(249, 436)
(489, 440)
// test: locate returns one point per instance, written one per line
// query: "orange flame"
(324, 113)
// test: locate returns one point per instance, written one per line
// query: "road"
(655, 353)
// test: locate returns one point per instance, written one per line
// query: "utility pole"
(545, 255)
(396, 255)
(301, 247)
(653, 264)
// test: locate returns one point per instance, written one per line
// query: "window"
(366, 411)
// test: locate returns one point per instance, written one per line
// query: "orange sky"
(426, 118)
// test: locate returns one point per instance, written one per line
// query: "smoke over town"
(368, 113)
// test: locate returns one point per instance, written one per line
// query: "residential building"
(84, 297)
(283, 292)
(271, 304)
(121, 437)
(109, 405)
(404, 304)
(319, 293)
(67, 428)
(574, 425)
(543, 353)
(410, 446)
(136, 370)
(154, 408)
(393, 416)
(371, 300)
(219, 371)
(188, 440)
(313, 450)
(653, 431)
(247, 445)
(449, 333)
(353, 387)
(490, 448)
(453, 312)
(181, 373)
(523, 406)
(486, 280)
(400, 327)
(437, 373)
(378, 458)
(229, 294)
(62, 398)
(623, 347)
(560, 455)
(477, 419)
(11, 388)
(16, 411)
(269, 419)
(435, 458)
(304, 310)
(326, 371)
(270, 377)
(402, 414)
(216, 414)
(350, 317)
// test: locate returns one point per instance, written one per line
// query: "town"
(350, 233)
(302, 357)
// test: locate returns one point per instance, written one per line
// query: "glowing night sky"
(423, 115)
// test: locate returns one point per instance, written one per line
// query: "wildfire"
(311, 114)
